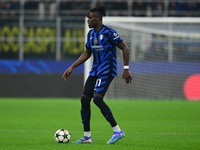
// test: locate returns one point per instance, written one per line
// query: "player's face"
(92, 20)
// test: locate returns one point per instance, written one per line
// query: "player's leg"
(105, 110)
(86, 114)
(101, 88)
(86, 110)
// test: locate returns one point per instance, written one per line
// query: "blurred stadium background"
(39, 39)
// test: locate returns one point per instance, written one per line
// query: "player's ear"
(98, 18)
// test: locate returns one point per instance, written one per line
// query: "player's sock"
(85, 113)
(87, 133)
(105, 110)
(116, 129)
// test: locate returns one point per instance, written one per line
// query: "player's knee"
(97, 100)
(85, 97)
(97, 95)
(85, 102)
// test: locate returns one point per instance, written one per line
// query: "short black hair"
(101, 11)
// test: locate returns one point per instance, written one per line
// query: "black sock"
(105, 110)
(85, 113)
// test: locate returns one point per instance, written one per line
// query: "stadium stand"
(141, 8)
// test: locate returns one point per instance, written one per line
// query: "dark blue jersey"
(102, 44)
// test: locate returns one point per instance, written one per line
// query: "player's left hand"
(127, 76)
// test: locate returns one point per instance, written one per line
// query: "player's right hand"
(66, 74)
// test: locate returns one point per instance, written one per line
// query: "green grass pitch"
(30, 124)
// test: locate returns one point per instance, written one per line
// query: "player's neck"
(98, 27)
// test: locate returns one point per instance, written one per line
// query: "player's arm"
(78, 62)
(125, 51)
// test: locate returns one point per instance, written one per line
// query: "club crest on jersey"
(96, 41)
(101, 37)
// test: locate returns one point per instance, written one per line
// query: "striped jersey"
(102, 45)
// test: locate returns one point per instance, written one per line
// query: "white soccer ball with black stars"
(62, 136)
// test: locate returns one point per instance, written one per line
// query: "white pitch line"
(25, 131)
(165, 133)
(147, 133)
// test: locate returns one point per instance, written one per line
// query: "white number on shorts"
(98, 83)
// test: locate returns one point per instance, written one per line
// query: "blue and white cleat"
(116, 136)
(85, 139)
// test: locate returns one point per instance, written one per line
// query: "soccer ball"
(62, 136)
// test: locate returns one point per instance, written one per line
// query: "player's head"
(98, 11)
(95, 16)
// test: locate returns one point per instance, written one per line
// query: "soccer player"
(101, 42)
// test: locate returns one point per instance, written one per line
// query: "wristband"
(126, 67)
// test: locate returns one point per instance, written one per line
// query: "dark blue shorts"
(95, 84)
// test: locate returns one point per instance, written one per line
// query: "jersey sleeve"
(115, 38)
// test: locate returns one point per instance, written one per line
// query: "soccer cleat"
(116, 136)
(85, 139)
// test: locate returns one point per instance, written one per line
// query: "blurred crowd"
(141, 8)
(9, 8)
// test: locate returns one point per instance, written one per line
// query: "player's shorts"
(95, 84)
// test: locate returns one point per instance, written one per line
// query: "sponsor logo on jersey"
(98, 47)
